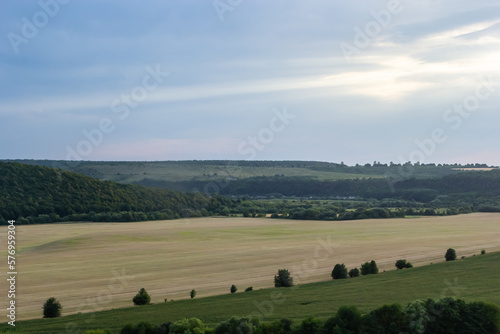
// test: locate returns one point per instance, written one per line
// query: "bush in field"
(233, 288)
(52, 308)
(283, 279)
(354, 272)
(141, 298)
(339, 271)
(450, 255)
(483, 252)
(368, 268)
(192, 294)
(402, 264)
(250, 288)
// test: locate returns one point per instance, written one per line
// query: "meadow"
(471, 279)
(97, 266)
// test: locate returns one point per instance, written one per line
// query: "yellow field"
(95, 266)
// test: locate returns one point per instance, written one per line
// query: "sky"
(339, 81)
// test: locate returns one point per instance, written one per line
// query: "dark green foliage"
(483, 251)
(187, 326)
(98, 331)
(354, 273)
(192, 294)
(373, 266)
(142, 297)
(310, 325)
(456, 316)
(233, 288)
(283, 279)
(368, 268)
(339, 271)
(450, 255)
(347, 320)
(250, 288)
(387, 319)
(402, 264)
(141, 328)
(51, 308)
(45, 195)
(236, 326)
(283, 326)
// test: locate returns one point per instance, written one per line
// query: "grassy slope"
(474, 278)
(131, 172)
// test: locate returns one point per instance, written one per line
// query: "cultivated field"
(98, 266)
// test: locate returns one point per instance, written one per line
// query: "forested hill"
(47, 194)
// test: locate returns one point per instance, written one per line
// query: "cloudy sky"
(353, 81)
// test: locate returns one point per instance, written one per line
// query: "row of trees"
(368, 268)
(446, 315)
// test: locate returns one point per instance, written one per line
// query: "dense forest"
(476, 184)
(34, 194)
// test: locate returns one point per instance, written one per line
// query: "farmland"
(105, 264)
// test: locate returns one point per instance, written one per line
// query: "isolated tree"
(141, 298)
(450, 255)
(374, 268)
(250, 288)
(354, 272)
(283, 279)
(233, 288)
(192, 293)
(52, 308)
(339, 271)
(368, 268)
(402, 264)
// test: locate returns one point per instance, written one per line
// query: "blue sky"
(356, 81)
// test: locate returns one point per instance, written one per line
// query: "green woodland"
(33, 194)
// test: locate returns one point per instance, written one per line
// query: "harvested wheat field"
(96, 266)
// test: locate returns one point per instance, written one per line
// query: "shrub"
(283, 279)
(339, 271)
(250, 288)
(310, 325)
(187, 326)
(416, 317)
(483, 252)
(236, 326)
(386, 319)
(192, 293)
(354, 272)
(402, 264)
(142, 328)
(52, 308)
(233, 288)
(347, 320)
(450, 255)
(141, 298)
(368, 268)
